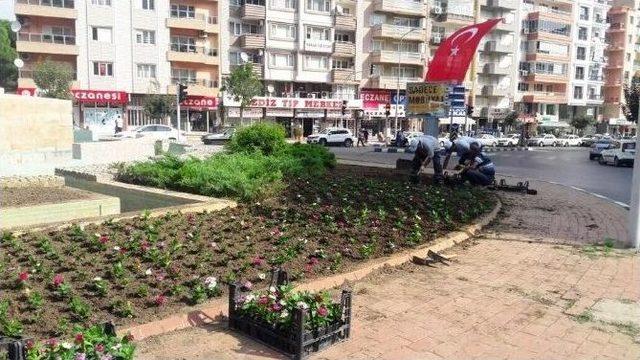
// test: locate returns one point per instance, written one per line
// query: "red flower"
(79, 338)
(144, 246)
(161, 300)
(51, 342)
(23, 276)
(123, 251)
(313, 261)
(257, 261)
(308, 268)
(104, 239)
(30, 344)
(263, 300)
(99, 348)
(191, 219)
(58, 279)
(323, 311)
(276, 307)
(129, 337)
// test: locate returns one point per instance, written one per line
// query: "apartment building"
(305, 52)
(491, 78)
(621, 38)
(544, 60)
(122, 50)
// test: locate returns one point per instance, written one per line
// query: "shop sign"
(26, 91)
(247, 113)
(295, 103)
(338, 115)
(373, 98)
(200, 102)
(280, 112)
(426, 98)
(499, 113)
(310, 114)
(101, 96)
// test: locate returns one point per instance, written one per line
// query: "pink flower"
(191, 219)
(161, 300)
(160, 276)
(323, 311)
(247, 285)
(104, 239)
(51, 342)
(263, 300)
(99, 348)
(30, 344)
(58, 279)
(79, 338)
(313, 261)
(257, 261)
(276, 307)
(23, 276)
(308, 268)
(144, 246)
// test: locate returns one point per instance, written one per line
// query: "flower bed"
(141, 269)
(296, 323)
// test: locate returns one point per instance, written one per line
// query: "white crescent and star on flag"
(455, 47)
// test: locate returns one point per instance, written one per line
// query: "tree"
(158, 106)
(580, 122)
(510, 120)
(8, 71)
(242, 85)
(632, 99)
(53, 79)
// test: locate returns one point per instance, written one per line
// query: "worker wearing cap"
(459, 145)
(426, 148)
(479, 169)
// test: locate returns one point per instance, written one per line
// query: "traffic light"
(387, 109)
(469, 110)
(344, 107)
(182, 92)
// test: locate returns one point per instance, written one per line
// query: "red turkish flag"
(453, 56)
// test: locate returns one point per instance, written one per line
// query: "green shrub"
(266, 137)
(309, 159)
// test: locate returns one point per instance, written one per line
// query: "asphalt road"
(570, 167)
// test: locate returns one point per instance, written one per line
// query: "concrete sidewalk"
(512, 293)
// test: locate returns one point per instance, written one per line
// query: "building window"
(538, 87)
(237, 29)
(628, 57)
(318, 33)
(342, 37)
(235, 58)
(584, 13)
(183, 11)
(235, 2)
(101, 2)
(582, 33)
(183, 44)
(148, 4)
(146, 71)
(145, 37)
(376, 19)
(406, 47)
(284, 4)
(319, 5)
(523, 86)
(581, 53)
(376, 45)
(283, 31)
(184, 76)
(342, 64)
(552, 27)
(101, 34)
(579, 73)
(102, 68)
(577, 92)
(406, 22)
(316, 62)
(281, 60)
(404, 72)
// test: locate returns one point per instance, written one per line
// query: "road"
(570, 167)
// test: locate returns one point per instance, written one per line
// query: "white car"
(328, 136)
(154, 131)
(509, 140)
(544, 140)
(218, 138)
(620, 153)
(570, 140)
(487, 140)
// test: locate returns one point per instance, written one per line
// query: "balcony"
(545, 97)
(455, 19)
(198, 22)
(615, 27)
(494, 90)
(343, 76)
(393, 57)
(503, 4)
(401, 7)
(196, 87)
(46, 44)
(495, 69)
(495, 47)
(252, 12)
(343, 48)
(391, 82)
(546, 56)
(64, 9)
(547, 77)
(397, 32)
(595, 98)
(252, 41)
(318, 45)
(436, 39)
(545, 13)
(193, 54)
(256, 67)
(345, 22)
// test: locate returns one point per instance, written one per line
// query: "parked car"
(588, 140)
(218, 138)
(487, 140)
(332, 136)
(597, 148)
(619, 153)
(509, 140)
(570, 140)
(155, 131)
(543, 140)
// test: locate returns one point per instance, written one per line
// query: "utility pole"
(178, 111)
(634, 209)
(398, 83)
(474, 72)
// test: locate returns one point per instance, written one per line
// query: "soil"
(314, 228)
(37, 195)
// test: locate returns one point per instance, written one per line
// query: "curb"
(217, 309)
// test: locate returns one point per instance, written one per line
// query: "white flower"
(272, 289)
(211, 282)
(262, 276)
(148, 272)
(282, 302)
(214, 244)
(97, 278)
(97, 235)
(117, 346)
(272, 297)
(116, 248)
(66, 345)
(190, 235)
(302, 305)
(250, 297)
(284, 313)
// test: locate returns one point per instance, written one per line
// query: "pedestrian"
(119, 124)
(366, 136)
(459, 145)
(479, 169)
(400, 139)
(360, 138)
(426, 148)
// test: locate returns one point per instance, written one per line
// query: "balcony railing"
(197, 17)
(596, 77)
(47, 38)
(184, 48)
(595, 97)
(199, 82)
(616, 26)
(68, 4)
(545, 9)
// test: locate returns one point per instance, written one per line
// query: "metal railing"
(404, 55)
(68, 4)
(200, 82)
(186, 48)
(196, 17)
(47, 38)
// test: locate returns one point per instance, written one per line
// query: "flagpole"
(398, 83)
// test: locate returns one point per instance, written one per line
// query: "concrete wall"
(114, 151)
(34, 130)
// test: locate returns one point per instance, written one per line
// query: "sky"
(6, 10)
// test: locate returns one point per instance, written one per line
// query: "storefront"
(99, 110)
(374, 103)
(198, 114)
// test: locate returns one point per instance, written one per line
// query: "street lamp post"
(634, 209)
(398, 83)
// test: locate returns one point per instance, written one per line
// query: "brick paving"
(499, 299)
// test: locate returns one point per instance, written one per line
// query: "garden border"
(214, 311)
